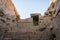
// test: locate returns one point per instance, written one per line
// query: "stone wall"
(8, 21)
(14, 28)
(56, 20)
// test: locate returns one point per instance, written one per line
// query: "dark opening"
(35, 20)
(1, 14)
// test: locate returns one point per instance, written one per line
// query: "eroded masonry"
(37, 27)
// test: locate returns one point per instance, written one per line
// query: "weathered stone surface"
(56, 20)
(8, 19)
(14, 28)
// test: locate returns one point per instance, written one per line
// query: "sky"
(27, 7)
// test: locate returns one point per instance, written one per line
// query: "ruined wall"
(14, 28)
(56, 20)
(8, 6)
(25, 25)
(8, 19)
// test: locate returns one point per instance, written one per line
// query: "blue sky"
(26, 7)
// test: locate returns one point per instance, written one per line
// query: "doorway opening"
(35, 20)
